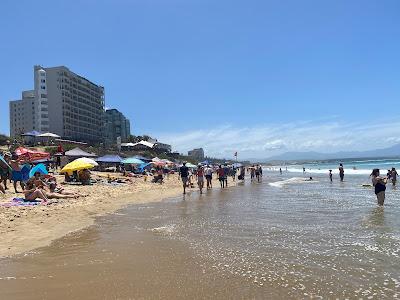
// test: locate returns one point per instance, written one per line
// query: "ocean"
(281, 238)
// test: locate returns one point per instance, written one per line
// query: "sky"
(256, 77)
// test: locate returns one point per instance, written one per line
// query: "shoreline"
(25, 228)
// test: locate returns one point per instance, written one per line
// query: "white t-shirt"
(208, 171)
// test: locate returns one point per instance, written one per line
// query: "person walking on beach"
(280, 171)
(330, 175)
(221, 176)
(380, 186)
(226, 174)
(394, 174)
(257, 171)
(208, 173)
(341, 172)
(242, 173)
(200, 177)
(184, 171)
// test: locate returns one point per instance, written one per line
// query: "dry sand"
(24, 228)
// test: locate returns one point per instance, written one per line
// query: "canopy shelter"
(31, 133)
(77, 152)
(111, 159)
(76, 166)
(88, 160)
(49, 135)
(133, 161)
(30, 155)
(41, 168)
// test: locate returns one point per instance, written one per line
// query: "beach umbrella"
(189, 165)
(88, 160)
(158, 163)
(41, 168)
(133, 161)
(76, 166)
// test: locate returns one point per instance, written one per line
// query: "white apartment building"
(62, 102)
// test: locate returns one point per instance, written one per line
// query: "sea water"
(281, 238)
(352, 166)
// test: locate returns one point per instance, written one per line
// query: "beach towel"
(20, 202)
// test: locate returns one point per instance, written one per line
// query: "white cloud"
(266, 140)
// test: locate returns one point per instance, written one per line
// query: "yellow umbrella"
(76, 165)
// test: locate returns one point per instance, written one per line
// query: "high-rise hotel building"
(62, 102)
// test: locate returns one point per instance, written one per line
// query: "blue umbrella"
(41, 168)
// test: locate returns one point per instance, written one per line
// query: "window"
(43, 87)
(43, 96)
(42, 80)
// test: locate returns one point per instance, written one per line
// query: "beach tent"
(144, 166)
(41, 168)
(88, 160)
(133, 161)
(30, 155)
(112, 159)
(76, 166)
(77, 152)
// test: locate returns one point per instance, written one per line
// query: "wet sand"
(284, 238)
(26, 228)
(113, 260)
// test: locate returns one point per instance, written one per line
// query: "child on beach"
(330, 175)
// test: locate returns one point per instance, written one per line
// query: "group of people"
(39, 187)
(205, 174)
(378, 182)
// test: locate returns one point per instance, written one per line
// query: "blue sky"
(257, 77)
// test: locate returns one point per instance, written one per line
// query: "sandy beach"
(26, 228)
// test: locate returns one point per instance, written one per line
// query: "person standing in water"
(280, 171)
(252, 172)
(258, 173)
(380, 186)
(330, 175)
(341, 172)
(394, 174)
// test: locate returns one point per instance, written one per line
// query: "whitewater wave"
(322, 171)
(164, 230)
(293, 180)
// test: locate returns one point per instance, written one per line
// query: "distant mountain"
(392, 151)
